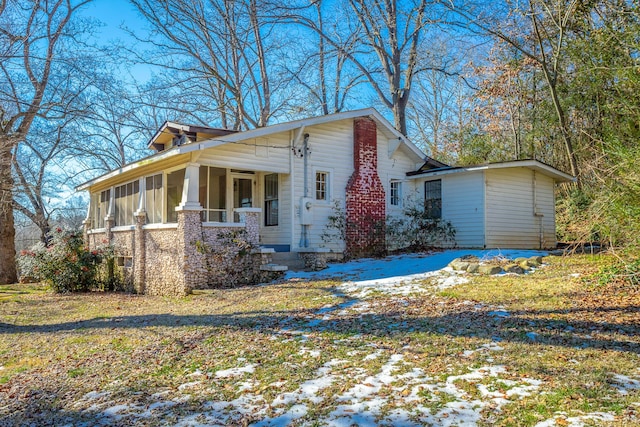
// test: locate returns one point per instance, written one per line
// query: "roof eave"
(556, 174)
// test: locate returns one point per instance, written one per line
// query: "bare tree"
(324, 71)
(390, 33)
(34, 162)
(31, 39)
(216, 50)
(538, 30)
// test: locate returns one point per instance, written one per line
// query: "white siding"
(546, 205)
(262, 154)
(395, 168)
(463, 205)
(331, 151)
(281, 233)
(511, 221)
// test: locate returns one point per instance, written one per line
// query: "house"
(498, 205)
(173, 214)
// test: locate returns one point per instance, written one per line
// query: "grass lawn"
(547, 348)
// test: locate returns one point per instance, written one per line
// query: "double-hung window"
(322, 185)
(433, 198)
(271, 199)
(395, 193)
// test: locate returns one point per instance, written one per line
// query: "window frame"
(271, 201)
(126, 198)
(395, 200)
(433, 205)
(327, 185)
(158, 209)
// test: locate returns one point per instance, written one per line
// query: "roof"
(383, 125)
(169, 130)
(430, 164)
(532, 164)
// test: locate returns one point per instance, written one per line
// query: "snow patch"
(624, 384)
(234, 372)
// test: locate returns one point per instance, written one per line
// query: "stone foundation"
(315, 259)
(174, 259)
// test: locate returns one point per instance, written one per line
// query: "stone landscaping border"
(497, 265)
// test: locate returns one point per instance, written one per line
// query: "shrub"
(66, 265)
(623, 273)
(416, 231)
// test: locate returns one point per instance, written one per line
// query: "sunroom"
(219, 192)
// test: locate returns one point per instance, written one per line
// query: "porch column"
(190, 190)
(139, 243)
(190, 239)
(250, 217)
(109, 220)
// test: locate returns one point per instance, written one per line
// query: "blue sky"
(115, 14)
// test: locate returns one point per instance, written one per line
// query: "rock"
(459, 265)
(489, 269)
(513, 268)
(525, 265)
(473, 268)
(535, 261)
(520, 259)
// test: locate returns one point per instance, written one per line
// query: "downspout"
(304, 238)
(536, 214)
(292, 189)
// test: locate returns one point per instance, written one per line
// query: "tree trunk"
(8, 273)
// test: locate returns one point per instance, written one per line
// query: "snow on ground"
(232, 372)
(624, 384)
(401, 274)
(398, 393)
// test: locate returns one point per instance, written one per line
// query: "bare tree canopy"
(219, 52)
(32, 38)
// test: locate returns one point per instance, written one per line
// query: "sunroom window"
(175, 183)
(126, 202)
(100, 207)
(213, 193)
(153, 199)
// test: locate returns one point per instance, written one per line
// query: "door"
(242, 195)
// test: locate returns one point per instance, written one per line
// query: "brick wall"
(365, 201)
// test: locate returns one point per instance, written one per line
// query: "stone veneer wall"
(96, 239)
(231, 256)
(164, 273)
(365, 199)
(191, 253)
(124, 243)
(173, 259)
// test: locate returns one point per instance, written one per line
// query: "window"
(100, 207)
(153, 199)
(175, 183)
(271, 199)
(322, 185)
(433, 198)
(396, 193)
(126, 202)
(213, 194)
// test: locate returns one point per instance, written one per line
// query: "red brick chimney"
(365, 203)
